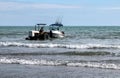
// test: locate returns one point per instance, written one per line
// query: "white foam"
(5, 60)
(96, 65)
(29, 62)
(51, 45)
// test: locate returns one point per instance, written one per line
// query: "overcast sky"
(71, 12)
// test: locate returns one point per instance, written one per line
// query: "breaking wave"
(85, 53)
(5, 60)
(51, 45)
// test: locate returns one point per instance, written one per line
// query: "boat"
(55, 29)
(39, 34)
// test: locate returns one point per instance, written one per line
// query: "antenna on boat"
(58, 20)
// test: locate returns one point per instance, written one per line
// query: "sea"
(84, 52)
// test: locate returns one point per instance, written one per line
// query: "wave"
(51, 45)
(14, 33)
(5, 60)
(85, 53)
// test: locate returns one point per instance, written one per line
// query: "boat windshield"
(56, 26)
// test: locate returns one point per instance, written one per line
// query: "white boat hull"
(57, 34)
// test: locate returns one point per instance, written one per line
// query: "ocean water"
(84, 52)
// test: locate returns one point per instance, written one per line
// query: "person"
(41, 30)
(51, 34)
(57, 28)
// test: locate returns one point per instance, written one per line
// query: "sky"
(69, 12)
